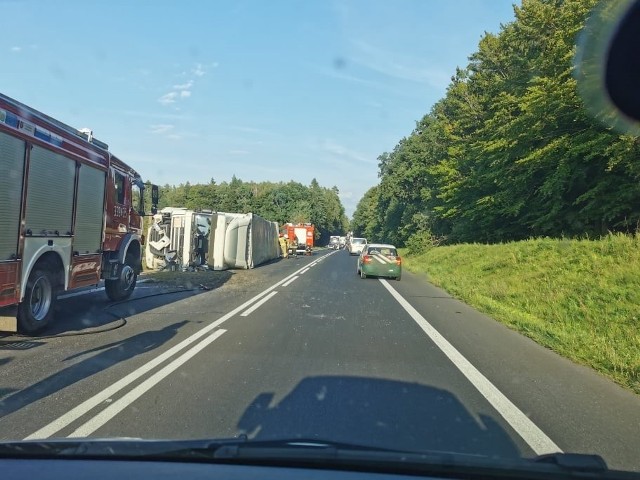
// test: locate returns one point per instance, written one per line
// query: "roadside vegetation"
(580, 298)
(510, 152)
(278, 202)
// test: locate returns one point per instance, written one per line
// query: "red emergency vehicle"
(70, 215)
(300, 235)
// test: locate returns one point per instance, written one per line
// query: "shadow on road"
(110, 355)
(94, 311)
(4, 361)
(378, 413)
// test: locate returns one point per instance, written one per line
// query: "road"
(305, 348)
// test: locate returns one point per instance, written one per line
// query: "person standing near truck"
(283, 245)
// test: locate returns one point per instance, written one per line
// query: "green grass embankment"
(580, 298)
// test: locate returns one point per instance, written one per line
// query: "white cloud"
(169, 132)
(344, 152)
(246, 129)
(149, 115)
(398, 65)
(350, 78)
(168, 98)
(383, 86)
(184, 86)
(184, 90)
(161, 129)
(18, 48)
(198, 71)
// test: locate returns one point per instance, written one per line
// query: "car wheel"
(36, 310)
(122, 287)
(362, 274)
(398, 278)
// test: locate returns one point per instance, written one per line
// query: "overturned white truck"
(183, 239)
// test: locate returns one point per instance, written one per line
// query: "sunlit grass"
(580, 298)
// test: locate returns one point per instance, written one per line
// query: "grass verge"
(580, 298)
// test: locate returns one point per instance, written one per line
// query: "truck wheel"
(36, 310)
(122, 288)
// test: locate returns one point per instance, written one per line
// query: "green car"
(379, 260)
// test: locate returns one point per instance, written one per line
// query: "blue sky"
(266, 90)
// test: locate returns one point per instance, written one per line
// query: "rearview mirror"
(155, 193)
(608, 64)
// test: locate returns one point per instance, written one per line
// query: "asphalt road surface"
(304, 348)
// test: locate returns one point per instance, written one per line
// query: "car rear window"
(358, 241)
(386, 251)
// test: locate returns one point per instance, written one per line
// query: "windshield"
(203, 224)
(495, 312)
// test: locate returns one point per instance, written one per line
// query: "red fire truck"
(70, 216)
(299, 238)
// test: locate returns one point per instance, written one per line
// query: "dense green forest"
(510, 152)
(280, 202)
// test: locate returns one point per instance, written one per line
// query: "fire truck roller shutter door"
(90, 208)
(50, 193)
(12, 167)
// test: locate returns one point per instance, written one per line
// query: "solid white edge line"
(289, 282)
(539, 442)
(116, 407)
(72, 415)
(257, 305)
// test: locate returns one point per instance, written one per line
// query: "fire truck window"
(119, 183)
(136, 198)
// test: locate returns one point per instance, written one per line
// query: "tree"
(509, 152)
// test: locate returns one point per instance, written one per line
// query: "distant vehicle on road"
(334, 242)
(343, 242)
(379, 260)
(301, 236)
(356, 245)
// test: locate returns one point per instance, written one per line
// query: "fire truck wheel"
(36, 309)
(123, 287)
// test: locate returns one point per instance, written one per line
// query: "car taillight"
(398, 261)
(366, 259)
